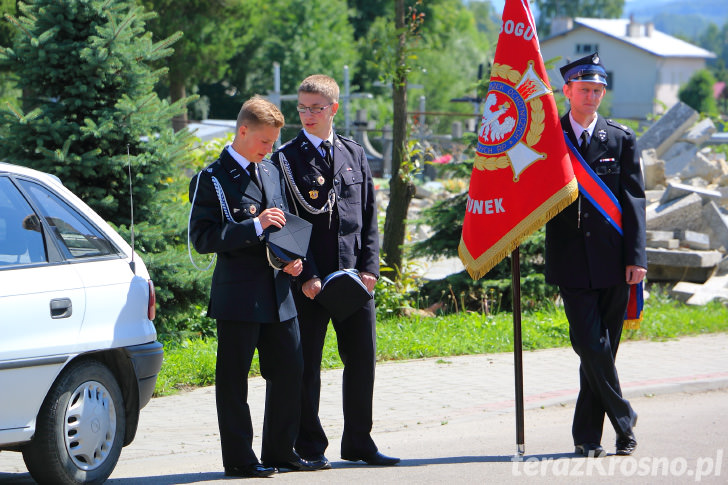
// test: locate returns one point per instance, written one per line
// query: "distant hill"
(682, 18)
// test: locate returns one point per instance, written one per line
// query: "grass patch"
(192, 362)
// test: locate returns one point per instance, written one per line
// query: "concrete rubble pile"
(686, 182)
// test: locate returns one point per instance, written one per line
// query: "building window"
(610, 80)
(585, 49)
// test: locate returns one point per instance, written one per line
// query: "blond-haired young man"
(234, 200)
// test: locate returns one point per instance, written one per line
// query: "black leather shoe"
(299, 465)
(590, 450)
(626, 444)
(319, 459)
(254, 470)
(375, 459)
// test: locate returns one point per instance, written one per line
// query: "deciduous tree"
(550, 9)
(211, 37)
(401, 185)
(698, 93)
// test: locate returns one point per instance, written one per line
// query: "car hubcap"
(90, 425)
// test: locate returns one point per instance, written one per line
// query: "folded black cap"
(343, 293)
(289, 242)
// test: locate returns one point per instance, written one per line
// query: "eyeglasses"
(314, 110)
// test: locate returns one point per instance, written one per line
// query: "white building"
(645, 67)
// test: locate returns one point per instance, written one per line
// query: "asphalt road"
(451, 420)
(682, 439)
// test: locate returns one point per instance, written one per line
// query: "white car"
(78, 351)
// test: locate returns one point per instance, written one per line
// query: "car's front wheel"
(80, 428)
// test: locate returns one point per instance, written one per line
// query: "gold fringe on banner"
(477, 268)
(633, 324)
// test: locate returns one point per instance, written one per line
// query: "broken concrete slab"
(723, 194)
(678, 156)
(715, 288)
(654, 195)
(653, 169)
(681, 265)
(693, 239)
(697, 182)
(653, 235)
(716, 222)
(700, 132)
(662, 239)
(682, 213)
(704, 166)
(668, 129)
(676, 191)
(684, 258)
(664, 243)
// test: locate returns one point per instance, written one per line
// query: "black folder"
(289, 242)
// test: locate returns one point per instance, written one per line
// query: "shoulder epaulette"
(619, 125)
(212, 166)
(351, 140)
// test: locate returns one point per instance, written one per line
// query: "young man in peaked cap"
(593, 264)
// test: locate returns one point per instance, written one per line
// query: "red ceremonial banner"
(522, 175)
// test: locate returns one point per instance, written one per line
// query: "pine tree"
(85, 68)
(88, 98)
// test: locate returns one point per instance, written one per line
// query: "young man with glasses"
(330, 185)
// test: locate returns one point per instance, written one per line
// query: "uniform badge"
(313, 194)
(320, 179)
(602, 135)
(253, 209)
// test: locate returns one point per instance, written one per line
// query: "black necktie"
(584, 146)
(326, 146)
(253, 175)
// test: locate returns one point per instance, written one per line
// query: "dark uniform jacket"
(244, 286)
(595, 255)
(348, 238)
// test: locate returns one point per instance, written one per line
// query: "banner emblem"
(511, 107)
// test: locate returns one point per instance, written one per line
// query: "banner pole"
(518, 348)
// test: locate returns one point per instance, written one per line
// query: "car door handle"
(61, 308)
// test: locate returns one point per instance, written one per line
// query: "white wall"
(637, 78)
(674, 73)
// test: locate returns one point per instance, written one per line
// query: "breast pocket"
(246, 209)
(352, 186)
(611, 167)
